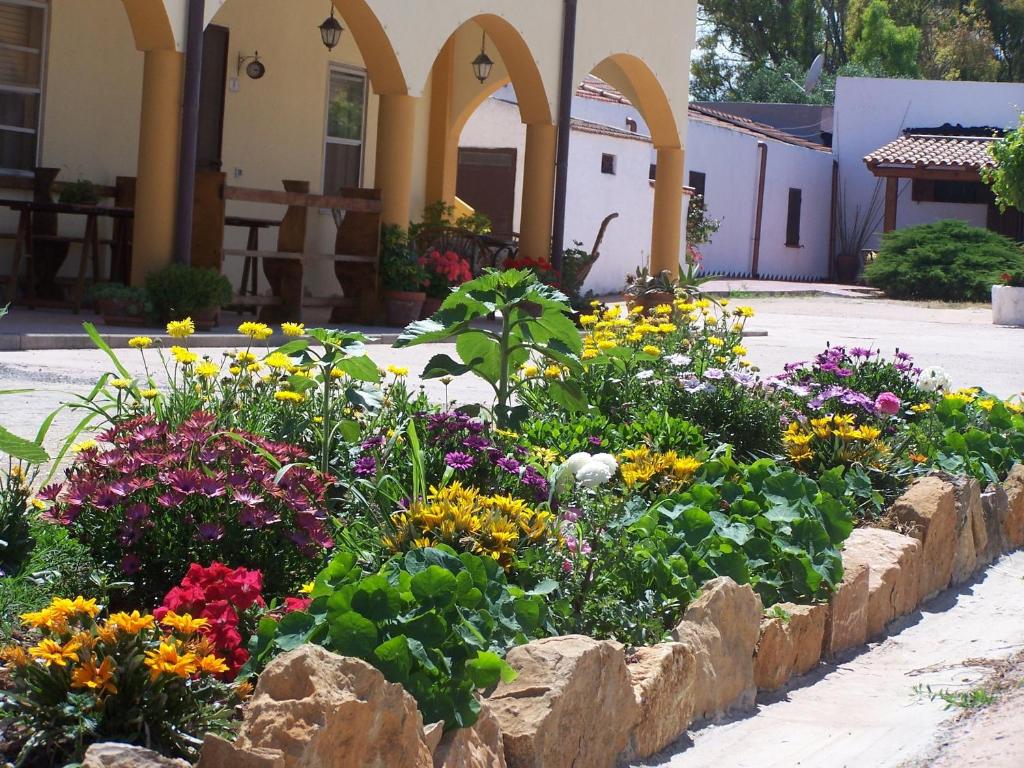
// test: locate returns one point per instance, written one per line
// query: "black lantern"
(482, 64)
(330, 30)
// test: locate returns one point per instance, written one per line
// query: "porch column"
(443, 142)
(892, 193)
(157, 185)
(396, 126)
(666, 231)
(536, 211)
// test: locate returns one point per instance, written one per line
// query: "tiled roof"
(597, 89)
(711, 115)
(934, 151)
(587, 126)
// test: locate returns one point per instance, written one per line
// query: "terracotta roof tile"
(928, 150)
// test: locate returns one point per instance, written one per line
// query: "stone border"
(583, 702)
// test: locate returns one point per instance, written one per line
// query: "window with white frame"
(22, 57)
(346, 120)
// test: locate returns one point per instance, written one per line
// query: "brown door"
(487, 182)
(1010, 223)
(211, 98)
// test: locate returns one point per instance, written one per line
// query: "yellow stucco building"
(98, 86)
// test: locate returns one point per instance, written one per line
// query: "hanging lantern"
(330, 30)
(482, 64)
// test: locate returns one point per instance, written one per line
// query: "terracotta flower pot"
(430, 306)
(650, 300)
(403, 307)
(206, 319)
(119, 312)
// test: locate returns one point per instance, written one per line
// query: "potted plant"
(1008, 299)
(402, 277)
(177, 292)
(649, 291)
(121, 304)
(80, 192)
(444, 271)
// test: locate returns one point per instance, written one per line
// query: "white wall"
(871, 112)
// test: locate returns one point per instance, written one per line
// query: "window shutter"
(793, 217)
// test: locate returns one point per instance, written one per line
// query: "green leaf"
(435, 585)
(443, 365)
(353, 635)
(376, 599)
(478, 350)
(360, 368)
(429, 628)
(394, 658)
(488, 669)
(22, 449)
(293, 630)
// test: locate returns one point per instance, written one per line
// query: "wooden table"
(250, 267)
(90, 242)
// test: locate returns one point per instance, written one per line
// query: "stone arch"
(633, 78)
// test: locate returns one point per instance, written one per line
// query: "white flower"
(934, 379)
(644, 375)
(576, 461)
(593, 474)
(678, 359)
(608, 460)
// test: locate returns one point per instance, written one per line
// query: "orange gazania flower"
(917, 458)
(131, 622)
(184, 623)
(169, 659)
(53, 652)
(99, 679)
(213, 665)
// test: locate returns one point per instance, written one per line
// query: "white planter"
(1007, 305)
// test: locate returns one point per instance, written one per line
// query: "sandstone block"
(894, 573)
(847, 625)
(789, 646)
(663, 683)
(721, 627)
(218, 752)
(476, 747)
(967, 503)
(109, 754)
(1013, 524)
(572, 704)
(927, 511)
(321, 710)
(995, 505)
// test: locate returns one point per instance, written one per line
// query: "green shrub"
(177, 292)
(947, 260)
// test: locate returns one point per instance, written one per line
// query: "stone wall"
(579, 701)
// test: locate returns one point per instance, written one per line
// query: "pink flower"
(292, 604)
(887, 404)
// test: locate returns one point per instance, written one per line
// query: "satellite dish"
(814, 73)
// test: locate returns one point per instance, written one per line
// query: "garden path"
(874, 709)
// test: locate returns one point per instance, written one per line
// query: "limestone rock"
(571, 705)
(217, 752)
(995, 505)
(721, 627)
(321, 710)
(432, 735)
(789, 647)
(663, 678)
(928, 512)
(1013, 524)
(476, 747)
(109, 754)
(847, 625)
(894, 573)
(967, 503)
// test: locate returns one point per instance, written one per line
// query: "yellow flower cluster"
(854, 442)
(468, 520)
(640, 466)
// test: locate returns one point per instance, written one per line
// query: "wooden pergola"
(928, 155)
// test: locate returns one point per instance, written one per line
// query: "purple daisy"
(366, 466)
(458, 460)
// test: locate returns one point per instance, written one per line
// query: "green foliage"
(400, 269)
(947, 260)
(983, 443)
(595, 432)
(699, 225)
(1006, 178)
(533, 321)
(81, 192)
(883, 41)
(177, 291)
(128, 300)
(436, 622)
(15, 537)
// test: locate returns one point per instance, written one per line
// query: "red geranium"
(444, 272)
(542, 268)
(221, 595)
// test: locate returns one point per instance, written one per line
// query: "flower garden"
(217, 513)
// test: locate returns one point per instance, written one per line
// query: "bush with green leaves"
(946, 260)
(532, 322)
(177, 292)
(594, 432)
(1006, 176)
(435, 621)
(979, 436)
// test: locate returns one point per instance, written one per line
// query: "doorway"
(487, 182)
(210, 138)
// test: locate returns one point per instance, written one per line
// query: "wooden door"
(211, 98)
(487, 182)
(1010, 223)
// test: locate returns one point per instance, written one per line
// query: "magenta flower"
(366, 466)
(458, 460)
(887, 404)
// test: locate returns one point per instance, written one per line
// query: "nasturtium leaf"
(376, 599)
(434, 586)
(293, 630)
(353, 635)
(428, 628)
(488, 669)
(394, 658)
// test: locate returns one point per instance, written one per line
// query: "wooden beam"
(892, 187)
(303, 200)
(934, 174)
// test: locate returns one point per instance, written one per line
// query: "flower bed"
(639, 483)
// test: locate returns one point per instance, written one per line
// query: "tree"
(1007, 177)
(882, 40)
